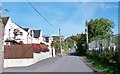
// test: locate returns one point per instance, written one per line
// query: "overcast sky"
(69, 16)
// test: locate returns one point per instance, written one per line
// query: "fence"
(18, 51)
(23, 51)
(107, 48)
(106, 43)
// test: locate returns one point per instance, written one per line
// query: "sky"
(69, 16)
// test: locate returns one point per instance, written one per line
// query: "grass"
(102, 67)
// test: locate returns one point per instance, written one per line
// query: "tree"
(81, 44)
(99, 28)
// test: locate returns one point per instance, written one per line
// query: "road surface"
(67, 63)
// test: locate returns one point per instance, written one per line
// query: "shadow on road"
(73, 54)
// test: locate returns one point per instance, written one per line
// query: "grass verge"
(102, 67)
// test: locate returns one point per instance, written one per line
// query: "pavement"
(69, 62)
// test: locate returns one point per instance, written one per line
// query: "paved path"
(66, 63)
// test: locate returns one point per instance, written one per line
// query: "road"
(69, 62)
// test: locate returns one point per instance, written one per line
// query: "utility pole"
(60, 42)
(86, 31)
(1, 46)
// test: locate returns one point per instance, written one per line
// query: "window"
(21, 33)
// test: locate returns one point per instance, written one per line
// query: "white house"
(48, 40)
(13, 33)
(36, 36)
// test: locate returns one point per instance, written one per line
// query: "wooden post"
(86, 32)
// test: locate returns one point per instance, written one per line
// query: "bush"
(102, 65)
(107, 56)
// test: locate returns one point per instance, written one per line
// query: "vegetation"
(81, 44)
(101, 65)
(105, 61)
(99, 28)
(66, 44)
(56, 44)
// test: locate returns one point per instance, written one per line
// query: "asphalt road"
(69, 62)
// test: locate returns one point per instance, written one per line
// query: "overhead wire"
(57, 25)
(41, 15)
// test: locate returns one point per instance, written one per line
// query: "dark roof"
(18, 25)
(26, 29)
(4, 20)
(36, 33)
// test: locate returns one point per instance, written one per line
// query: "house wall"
(37, 40)
(9, 34)
(49, 44)
(29, 41)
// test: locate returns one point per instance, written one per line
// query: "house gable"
(5, 20)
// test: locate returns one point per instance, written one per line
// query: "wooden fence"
(18, 51)
(23, 51)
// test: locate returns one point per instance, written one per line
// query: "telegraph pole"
(86, 31)
(60, 42)
(1, 46)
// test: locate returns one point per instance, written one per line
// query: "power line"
(41, 15)
(46, 13)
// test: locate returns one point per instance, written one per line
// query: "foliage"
(71, 41)
(99, 28)
(107, 57)
(73, 38)
(56, 45)
(105, 68)
(81, 44)
(65, 46)
(56, 42)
